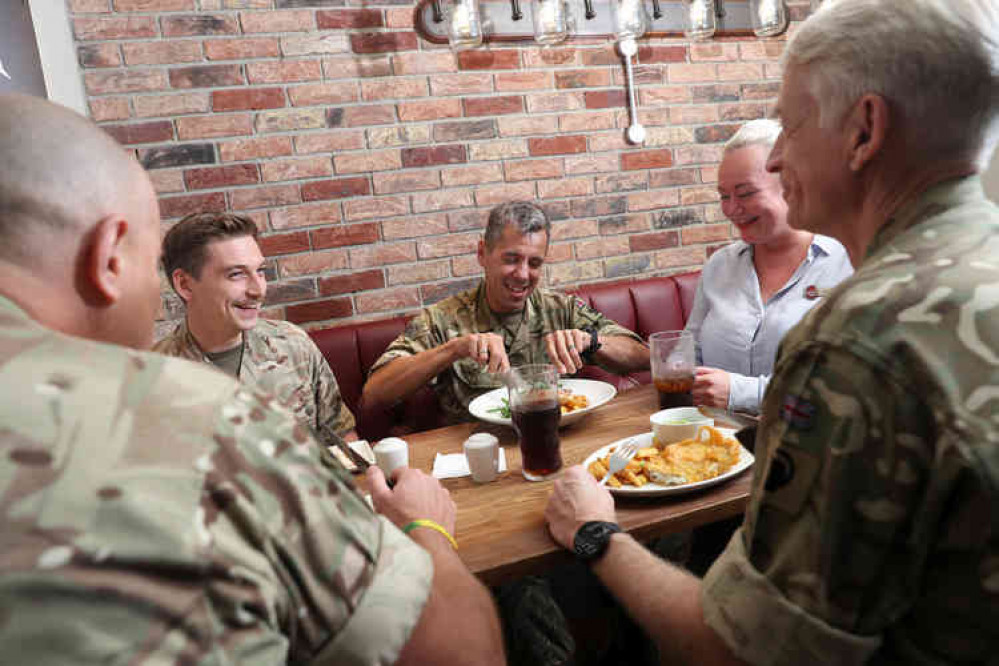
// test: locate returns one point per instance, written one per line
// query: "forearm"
(459, 625)
(622, 354)
(403, 376)
(664, 600)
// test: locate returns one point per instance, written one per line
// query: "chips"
(709, 455)
(570, 402)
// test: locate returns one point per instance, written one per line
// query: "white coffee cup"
(482, 453)
(391, 453)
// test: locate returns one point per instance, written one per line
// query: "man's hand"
(576, 499)
(564, 349)
(415, 495)
(486, 348)
(711, 387)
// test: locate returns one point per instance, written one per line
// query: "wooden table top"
(500, 525)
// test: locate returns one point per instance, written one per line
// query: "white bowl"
(677, 424)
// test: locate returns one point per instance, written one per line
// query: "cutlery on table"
(619, 458)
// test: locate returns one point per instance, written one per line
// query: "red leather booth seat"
(644, 306)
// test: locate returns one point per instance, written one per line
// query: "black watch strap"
(592, 539)
(587, 354)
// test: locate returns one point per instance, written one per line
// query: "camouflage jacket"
(523, 334)
(281, 359)
(872, 534)
(153, 511)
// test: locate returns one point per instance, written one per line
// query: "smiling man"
(463, 344)
(216, 267)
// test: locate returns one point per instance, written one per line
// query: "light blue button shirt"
(737, 332)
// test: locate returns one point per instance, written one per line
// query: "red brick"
(370, 208)
(296, 169)
(314, 44)
(171, 155)
(285, 120)
(418, 273)
(367, 161)
(283, 71)
(478, 59)
(706, 233)
(429, 110)
(383, 42)
(386, 301)
(199, 24)
(153, 5)
(565, 187)
(399, 17)
(382, 254)
(261, 197)
(109, 108)
(275, 244)
(431, 156)
(335, 189)
(368, 114)
(200, 127)
(471, 175)
(447, 246)
(526, 125)
(247, 99)
(406, 181)
(325, 142)
(334, 19)
(653, 241)
(99, 55)
(241, 49)
(646, 159)
(491, 195)
(604, 99)
(327, 92)
(206, 76)
(166, 182)
(214, 177)
(583, 78)
(534, 169)
(545, 58)
(171, 207)
(344, 235)
(587, 122)
(330, 308)
(415, 226)
(122, 81)
(516, 81)
(560, 145)
(657, 54)
(494, 106)
(161, 52)
(422, 62)
(393, 88)
(354, 67)
(291, 20)
(566, 101)
(424, 202)
(89, 6)
(255, 148)
(131, 27)
(153, 132)
(352, 282)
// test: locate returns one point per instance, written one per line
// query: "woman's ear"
(104, 259)
(867, 130)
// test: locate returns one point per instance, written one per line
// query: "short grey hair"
(528, 217)
(936, 62)
(760, 132)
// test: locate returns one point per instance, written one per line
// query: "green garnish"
(503, 410)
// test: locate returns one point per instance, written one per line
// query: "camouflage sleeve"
(418, 337)
(332, 414)
(822, 565)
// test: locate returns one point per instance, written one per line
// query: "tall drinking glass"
(673, 367)
(535, 413)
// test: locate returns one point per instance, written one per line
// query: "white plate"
(656, 490)
(595, 391)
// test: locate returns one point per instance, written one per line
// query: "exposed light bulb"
(769, 17)
(549, 22)
(631, 21)
(464, 24)
(701, 22)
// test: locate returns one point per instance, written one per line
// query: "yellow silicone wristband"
(426, 522)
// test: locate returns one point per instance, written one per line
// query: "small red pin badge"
(812, 292)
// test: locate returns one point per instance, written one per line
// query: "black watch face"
(592, 539)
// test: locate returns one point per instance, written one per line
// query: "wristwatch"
(587, 354)
(592, 539)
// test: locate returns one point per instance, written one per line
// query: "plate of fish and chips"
(576, 397)
(711, 457)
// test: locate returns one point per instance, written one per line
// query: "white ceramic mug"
(482, 453)
(391, 453)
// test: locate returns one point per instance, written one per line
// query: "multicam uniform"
(523, 337)
(281, 359)
(873, 529)
(153, 511)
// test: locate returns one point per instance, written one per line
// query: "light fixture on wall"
(769, 17)
(550, 23)
(464, 23)
(630, 23)
(700, 22)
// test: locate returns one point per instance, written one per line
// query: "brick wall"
(369, 158)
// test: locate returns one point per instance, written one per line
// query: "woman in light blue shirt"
(754, 290)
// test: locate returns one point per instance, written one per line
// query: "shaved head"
(79, 225)
(61, 174)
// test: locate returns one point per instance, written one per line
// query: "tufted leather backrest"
(644, 306)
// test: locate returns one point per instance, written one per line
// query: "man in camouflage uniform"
(462, 344)
(872, 533)
(215, 265)
(154, 511)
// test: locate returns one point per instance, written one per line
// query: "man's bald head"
(61, 174)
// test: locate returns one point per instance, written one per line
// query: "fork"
(619, 458)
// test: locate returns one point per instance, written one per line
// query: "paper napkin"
(453, 465)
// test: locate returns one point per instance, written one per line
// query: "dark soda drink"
(537, 428)
(675, 391)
